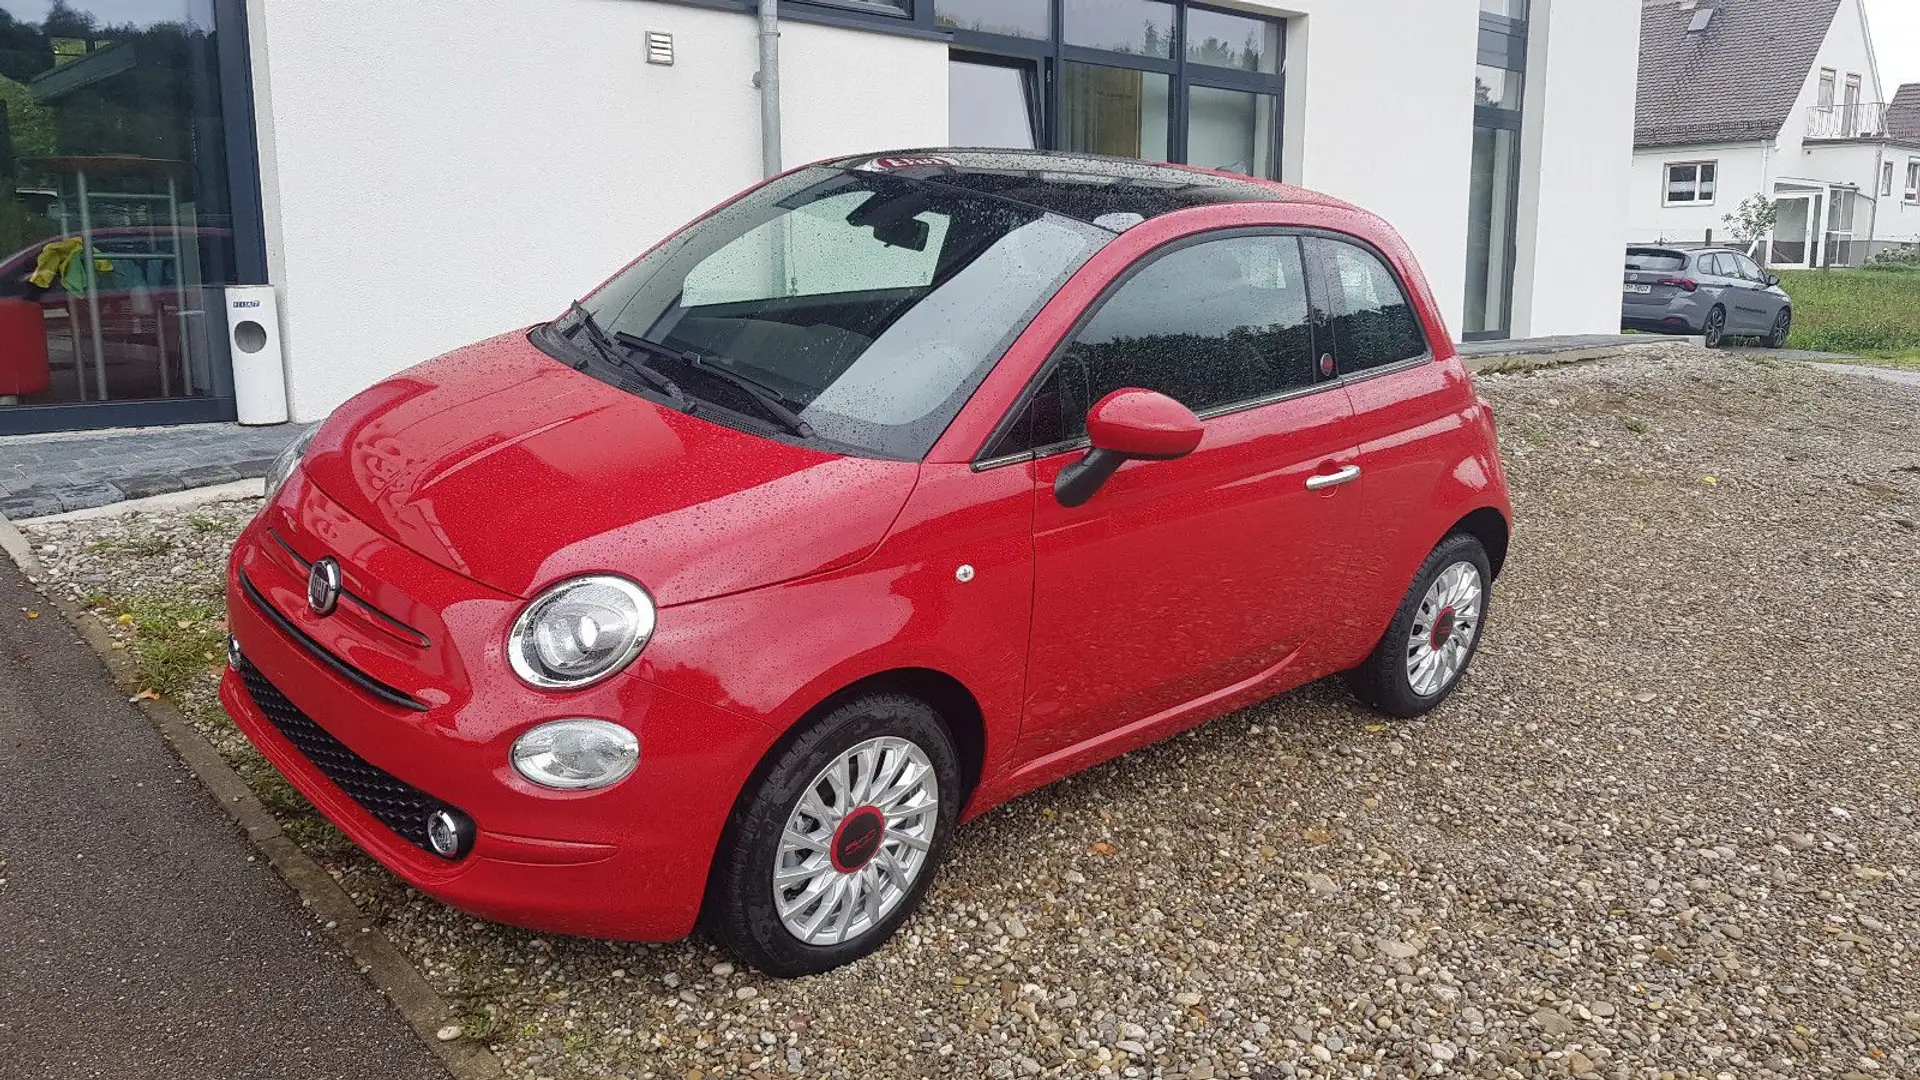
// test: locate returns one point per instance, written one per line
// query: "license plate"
(1640, 288)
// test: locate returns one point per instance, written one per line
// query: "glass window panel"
(1014, 18)
(114, 210)
(1497, 88)
(1217, 39)
(1144, 27)
(1208, 325)
(1494, 180)
(1231, 130)
(990, 105)
(1373, 324)
(1116, 111)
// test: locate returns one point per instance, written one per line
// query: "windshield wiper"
(607, 350)
(771, 401)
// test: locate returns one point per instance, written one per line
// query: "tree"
(1752, 220)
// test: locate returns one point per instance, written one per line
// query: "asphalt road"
(136, 939)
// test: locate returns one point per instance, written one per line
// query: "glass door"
(1792, 245)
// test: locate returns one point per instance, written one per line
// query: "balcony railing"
(1868, 118)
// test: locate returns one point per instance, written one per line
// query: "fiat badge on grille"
(323, 586)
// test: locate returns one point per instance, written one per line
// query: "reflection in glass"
(1494, 185)
(1512, 9)
(1497, 88)
(1217, 39)
(1114, 111)
(991, 105)
(1231, 130)
(115, 211)
(1130, 26)
(1014, 18)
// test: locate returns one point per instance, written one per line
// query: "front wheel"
(834, 845)
(1715, 330)
(1433, 635)
(1782, 326)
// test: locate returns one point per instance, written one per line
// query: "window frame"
(1886, 178)
(1666, 182)
(1323, 267)
(1049, 54)
(1912, 193)
(1318, 317)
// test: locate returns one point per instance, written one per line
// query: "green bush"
(1906, 257)
(1874, 310)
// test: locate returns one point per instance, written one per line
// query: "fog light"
(449, 834)
(233, 652)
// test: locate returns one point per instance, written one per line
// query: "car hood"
(504, 465)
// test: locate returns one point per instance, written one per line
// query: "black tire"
(740, 914)
(1714, 329)
(1782, 326)
(1382, 680)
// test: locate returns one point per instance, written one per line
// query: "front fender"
(773, 654)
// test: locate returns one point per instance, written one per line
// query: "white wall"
(1380, 113)
(473, 165)
(1576, 164)
(469, 167)
(1743, 169)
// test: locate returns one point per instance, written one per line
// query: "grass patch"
(145, 547)
(1874, 312)
(175, 639)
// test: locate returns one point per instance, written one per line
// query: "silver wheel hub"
(1444, 628)
(856, 841)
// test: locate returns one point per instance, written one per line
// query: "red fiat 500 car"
(884, 493)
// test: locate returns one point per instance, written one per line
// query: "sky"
(1896, 41)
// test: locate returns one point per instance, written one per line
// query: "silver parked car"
(1715, 292)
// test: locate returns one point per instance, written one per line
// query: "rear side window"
(1662, 261)
(1211, 325)
(1373, 323)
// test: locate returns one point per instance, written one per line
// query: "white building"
(1780, 98)
(411, 177)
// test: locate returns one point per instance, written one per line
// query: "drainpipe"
(768, 80)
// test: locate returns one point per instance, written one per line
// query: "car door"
(1766, 299)
(1182, 579)
(1407, 424)
(1722, 275)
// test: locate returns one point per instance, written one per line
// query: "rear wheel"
(1433, 635)
(1782, 326)
(833, 848)
(1715, 329)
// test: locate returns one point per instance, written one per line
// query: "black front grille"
(398, 805)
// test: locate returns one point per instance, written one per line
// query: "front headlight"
(574, 754)
(283, 465)
(580, 632)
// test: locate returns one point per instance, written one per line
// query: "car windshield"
(1638, 259)
(869, 304)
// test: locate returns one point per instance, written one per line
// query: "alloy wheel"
(1782, 326)
(1716, 328)
(1443, 629)
(856, 841)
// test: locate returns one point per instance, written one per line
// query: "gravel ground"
(1668, 827)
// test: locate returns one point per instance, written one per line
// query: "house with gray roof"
(1778, 98)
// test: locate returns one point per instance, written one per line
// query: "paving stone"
(48, 475)
(203, 475)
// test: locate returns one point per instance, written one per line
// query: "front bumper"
(629, 862)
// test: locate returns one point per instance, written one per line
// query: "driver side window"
(1210, 325)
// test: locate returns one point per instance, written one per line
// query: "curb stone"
(377, 957)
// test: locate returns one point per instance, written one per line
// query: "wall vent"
(659, 47)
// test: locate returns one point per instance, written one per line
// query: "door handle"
(1322, 481)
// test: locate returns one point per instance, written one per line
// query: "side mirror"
(1125, 425)
(1772, 280)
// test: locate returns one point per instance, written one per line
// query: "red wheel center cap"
(1442, 628)
(857, 840)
